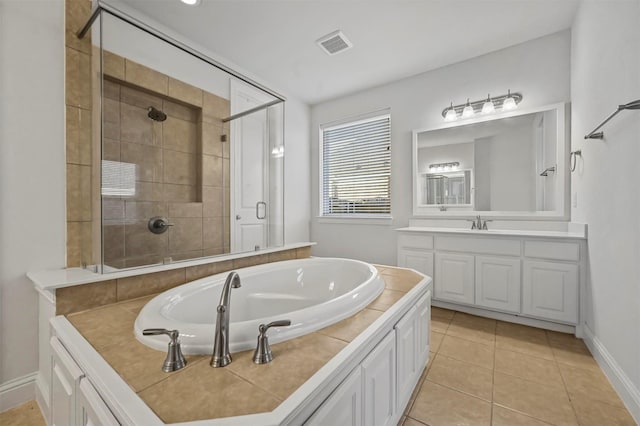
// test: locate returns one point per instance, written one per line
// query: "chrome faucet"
(478, 223)
(221, 356)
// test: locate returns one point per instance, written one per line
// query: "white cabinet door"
(419, 260)
(65, 377)
(424, 327)
(550, 291)
(379, 377)
(498, 283)
(91, 408)
(407, 352)
(344, 406)
(453, 280)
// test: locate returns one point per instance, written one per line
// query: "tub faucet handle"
(175, 359)
(262, 354)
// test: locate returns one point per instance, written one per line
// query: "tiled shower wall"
(182, 167)
(78, 100)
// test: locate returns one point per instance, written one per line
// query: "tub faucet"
(221, 356)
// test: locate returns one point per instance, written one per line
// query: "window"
(356, 168)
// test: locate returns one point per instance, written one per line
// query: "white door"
(379, 377)
(92, 411)
(419, 260)
(550, 291)
(407, 352)
(65, 377)
(498, 283)
(454, 278)
(344, 406)
(249, 170)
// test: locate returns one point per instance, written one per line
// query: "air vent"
(335, 42)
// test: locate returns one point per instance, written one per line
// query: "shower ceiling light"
(489, 105)
(191, 2)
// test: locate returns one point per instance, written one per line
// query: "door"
(454, 278)
(419, 260)
(550, 291)
(407, 352)
(249, 170)
(65, 376)
(344, 406)
(498, 283)
(379, 376)
(91, 408)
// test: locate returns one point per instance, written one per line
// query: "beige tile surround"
(248, 388)
(488, 372)
(88, 296)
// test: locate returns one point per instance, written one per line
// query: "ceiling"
(393, 39)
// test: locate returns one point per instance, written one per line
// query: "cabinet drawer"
(552, 250)
(482, 245)
(418, 241)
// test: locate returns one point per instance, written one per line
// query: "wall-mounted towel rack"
(631, 105)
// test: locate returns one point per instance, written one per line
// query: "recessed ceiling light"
(191, 2)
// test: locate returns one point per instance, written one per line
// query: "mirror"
(191, 158)
(511, 164)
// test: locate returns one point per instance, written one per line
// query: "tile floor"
(487, 372)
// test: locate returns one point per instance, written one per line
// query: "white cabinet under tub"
(527, 277)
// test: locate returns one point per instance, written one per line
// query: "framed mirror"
(506, 165)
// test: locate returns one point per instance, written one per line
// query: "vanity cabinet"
(74, 400)
(377, 391)
(524, 278)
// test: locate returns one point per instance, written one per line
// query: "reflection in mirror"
(192, 158)
(511, 165)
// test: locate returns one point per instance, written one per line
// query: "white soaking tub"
(313, 293)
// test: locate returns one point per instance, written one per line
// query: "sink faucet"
(221, 356)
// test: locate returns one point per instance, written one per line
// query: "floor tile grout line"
(460, 391)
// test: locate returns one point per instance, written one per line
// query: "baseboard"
(627, 391)
(17, 391)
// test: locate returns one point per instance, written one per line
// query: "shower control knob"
(158, 225)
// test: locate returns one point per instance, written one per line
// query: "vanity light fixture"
(468, 110)
(451, 114)
(489, 105)
(441, 167)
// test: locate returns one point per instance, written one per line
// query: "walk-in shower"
(182, 140)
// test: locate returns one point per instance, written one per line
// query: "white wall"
(538, 68)
(32, 177)
(605, 66)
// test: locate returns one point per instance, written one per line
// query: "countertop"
(200, 392)
(496, 232)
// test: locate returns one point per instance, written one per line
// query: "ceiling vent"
(335, 42)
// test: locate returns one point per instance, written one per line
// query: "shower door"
(250, 170)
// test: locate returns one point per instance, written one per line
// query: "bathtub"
(313, 293)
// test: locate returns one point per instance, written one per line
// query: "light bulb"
(509, 103)
(468, 110)
(488, 107)
(451, 114)
(191, 2)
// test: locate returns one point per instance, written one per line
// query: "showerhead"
(156, 114)
(631, 105)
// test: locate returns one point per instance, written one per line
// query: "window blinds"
(356, 168)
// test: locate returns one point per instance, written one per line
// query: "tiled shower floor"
(487, 372)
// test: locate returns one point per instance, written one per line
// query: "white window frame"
(363, 218)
